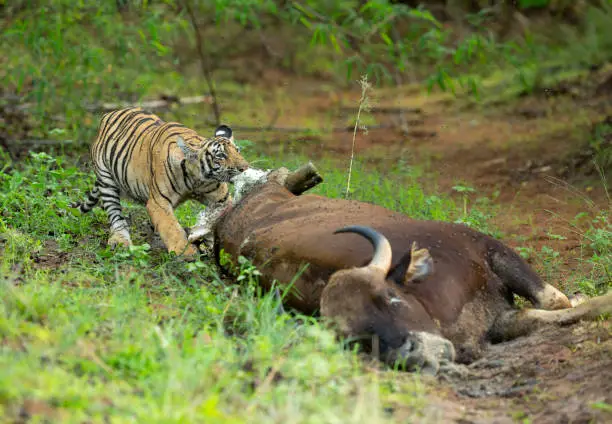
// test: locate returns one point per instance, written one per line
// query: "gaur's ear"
(421, 265)
(224, 131)
(187, 151)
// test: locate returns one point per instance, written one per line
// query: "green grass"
(139, 335)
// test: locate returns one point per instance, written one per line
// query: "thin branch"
(363, 104)
(204, 64)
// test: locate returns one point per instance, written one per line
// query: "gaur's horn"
(382, 247)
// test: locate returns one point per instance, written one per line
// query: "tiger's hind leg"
(119, 228)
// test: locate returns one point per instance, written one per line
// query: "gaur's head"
(365, 305)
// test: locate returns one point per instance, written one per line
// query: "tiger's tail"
(88, 204)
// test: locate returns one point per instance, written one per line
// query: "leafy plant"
(368, 36)
(599, 239)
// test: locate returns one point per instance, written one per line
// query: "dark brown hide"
(473, 279)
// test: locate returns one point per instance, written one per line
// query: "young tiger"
(161, 164)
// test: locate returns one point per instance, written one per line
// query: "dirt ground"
(556, 375)
(525, 151)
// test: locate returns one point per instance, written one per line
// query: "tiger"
(138, 156)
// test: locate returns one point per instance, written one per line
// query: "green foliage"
(115, 351)
(64, 57)
(370, 39)
(25, 198)
(598, 239)
(537, 58)
(526, 4)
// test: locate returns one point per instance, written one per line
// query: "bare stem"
(363, 104)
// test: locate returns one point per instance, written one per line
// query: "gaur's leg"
(519, 278)
(515, 323)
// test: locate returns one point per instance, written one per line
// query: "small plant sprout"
(464, 190)
(364, 106)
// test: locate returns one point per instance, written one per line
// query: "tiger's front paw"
(186, 252)
(190, 251)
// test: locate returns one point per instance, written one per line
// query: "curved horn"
(382, 248)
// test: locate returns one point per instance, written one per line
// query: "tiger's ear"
(187, 151)
(224, 131)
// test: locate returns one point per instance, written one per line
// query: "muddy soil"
(556, 375)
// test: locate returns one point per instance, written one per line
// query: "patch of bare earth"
(556, 375)
(51, 256)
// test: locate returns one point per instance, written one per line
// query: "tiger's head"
(218, 159)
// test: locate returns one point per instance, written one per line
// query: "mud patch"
(51, 256)
(556, 375)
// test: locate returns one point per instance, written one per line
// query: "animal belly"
(282, 237)
(297, 249)
(136, 192)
